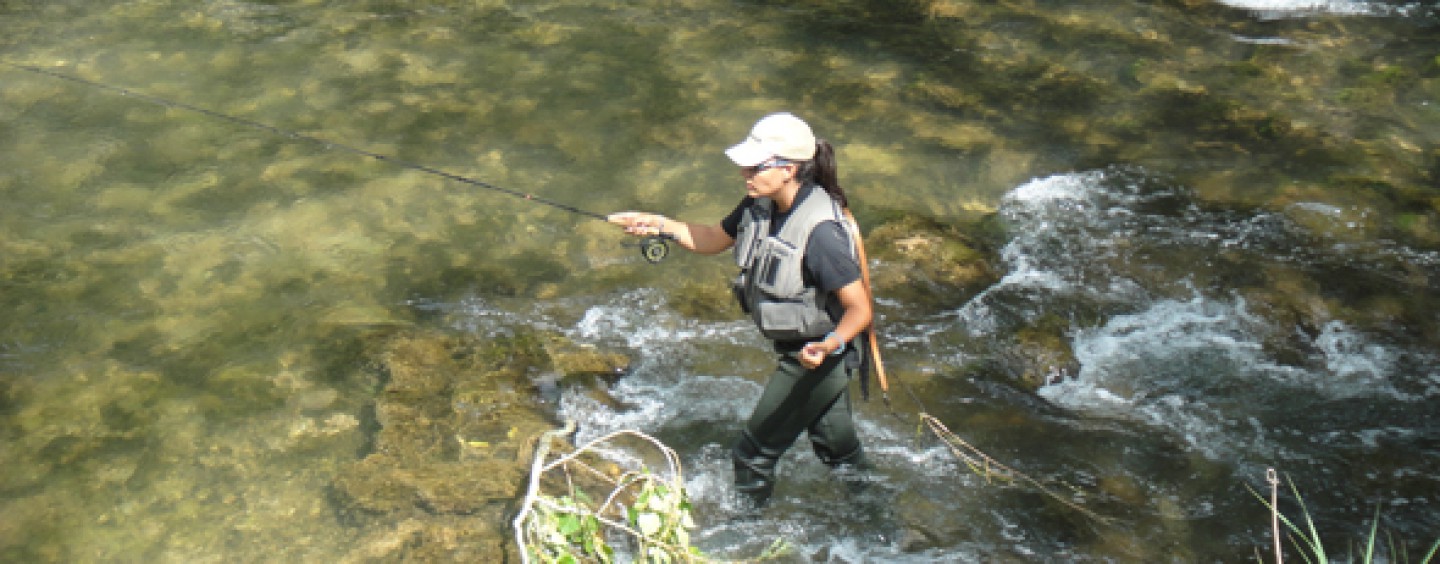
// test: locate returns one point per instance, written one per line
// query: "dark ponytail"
(822, 170)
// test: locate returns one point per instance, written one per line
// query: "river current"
(1216, 226)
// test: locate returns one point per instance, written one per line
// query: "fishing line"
(654, 247)
(977, 460)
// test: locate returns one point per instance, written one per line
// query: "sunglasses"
(762, 167)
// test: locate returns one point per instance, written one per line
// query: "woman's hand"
(855, 299)
(812, 356)
(814, 353)
(638, 223)
(703, 239)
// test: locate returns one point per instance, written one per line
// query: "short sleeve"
(828, 260)
(731, 223)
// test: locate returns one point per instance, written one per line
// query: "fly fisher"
(800, 281)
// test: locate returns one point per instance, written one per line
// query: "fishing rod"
(653, 247)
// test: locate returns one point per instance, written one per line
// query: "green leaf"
(587, 543)
(568, 524)
(1370, 546)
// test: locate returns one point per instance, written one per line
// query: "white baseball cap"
(776, 135)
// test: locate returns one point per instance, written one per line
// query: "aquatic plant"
(1307, 541)
(573, 528)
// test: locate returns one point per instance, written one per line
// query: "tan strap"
(874, 344)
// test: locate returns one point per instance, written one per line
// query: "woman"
(800, 281)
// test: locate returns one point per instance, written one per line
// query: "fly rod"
(654, 247)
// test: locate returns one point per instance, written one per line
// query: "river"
(1216, 227)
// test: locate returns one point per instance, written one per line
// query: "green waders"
(795, 400)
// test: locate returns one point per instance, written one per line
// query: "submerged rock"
(457, 419)
(921, 259)
(1042, 354)
(927, 522)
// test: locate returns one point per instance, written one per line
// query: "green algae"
(456, 418)
(923, 261)
(186, 281)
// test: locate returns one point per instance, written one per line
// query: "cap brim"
(748, 154)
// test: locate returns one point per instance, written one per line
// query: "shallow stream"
(1217, 226)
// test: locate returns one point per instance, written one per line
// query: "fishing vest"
(771, 286)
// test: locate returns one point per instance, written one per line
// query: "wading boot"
(754, 471)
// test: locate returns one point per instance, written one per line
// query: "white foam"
(1162, 366)
(650, 406)
(1357, 365)
(1183, 366)
(642, 320)
(1283, 8)
(1341, 6)
(1262, 40)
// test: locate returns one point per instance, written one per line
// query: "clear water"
(1230, 209)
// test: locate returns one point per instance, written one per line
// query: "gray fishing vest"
(771, 286)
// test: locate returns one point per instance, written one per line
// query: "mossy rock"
(922, 259)
(457, 420)
(418, 367)
(528, 352)
(573, 360)
(468, 486)
(707, 301)
(412, 432)
(927, 522)
(1033, 355)
(459, 538)
(371, 484)
(1047, 353)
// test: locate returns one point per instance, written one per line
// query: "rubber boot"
(853, 470)
(754, 471)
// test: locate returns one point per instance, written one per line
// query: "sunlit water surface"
(184, 297)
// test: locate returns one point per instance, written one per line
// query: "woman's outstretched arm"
(695, 237)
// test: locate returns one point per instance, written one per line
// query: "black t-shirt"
(829, 266)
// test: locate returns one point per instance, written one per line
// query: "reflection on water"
(187, 302)
(1298, 8)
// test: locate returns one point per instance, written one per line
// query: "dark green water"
(181, 297)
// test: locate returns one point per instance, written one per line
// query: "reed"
(1306, 540)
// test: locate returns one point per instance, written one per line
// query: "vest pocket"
(792, 320)
(782, 321)
(778, 269)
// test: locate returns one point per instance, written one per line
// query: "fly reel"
(655, 247)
